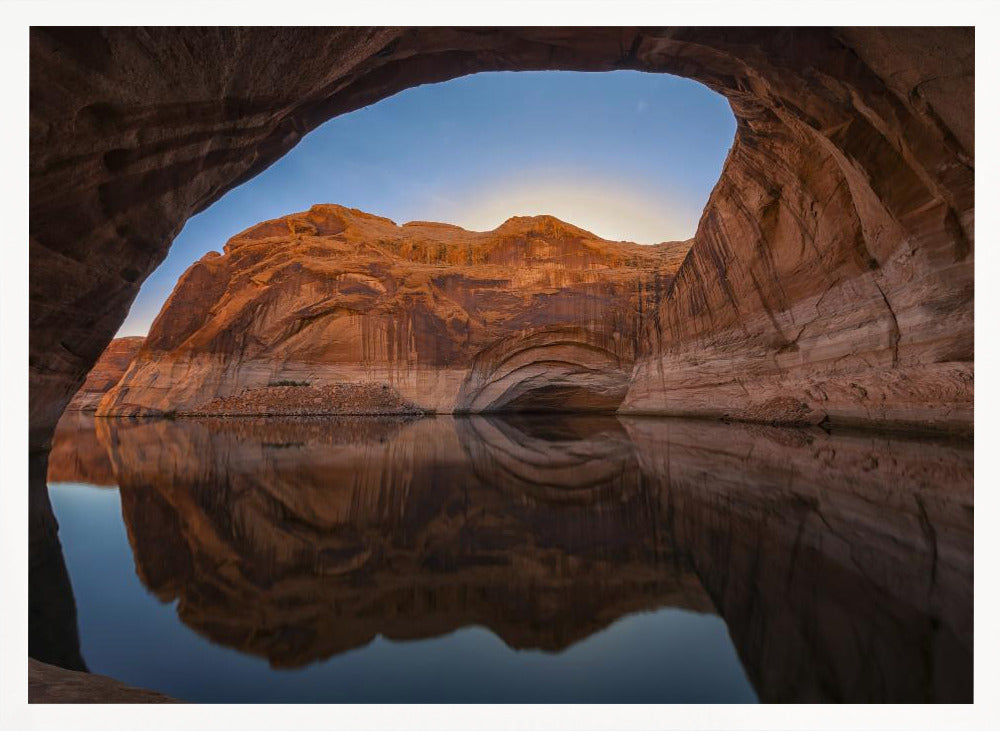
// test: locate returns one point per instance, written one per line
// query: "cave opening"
(558, 199)
(562, 399)
(829, 279)
(626, 155)
(796, 303)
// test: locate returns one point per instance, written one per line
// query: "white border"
(17, 16)
(500, 12)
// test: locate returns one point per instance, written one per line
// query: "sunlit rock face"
(351, 313)
(831, 274)
(107, 371)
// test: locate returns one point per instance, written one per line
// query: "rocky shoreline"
(302, 399)
(51, 684)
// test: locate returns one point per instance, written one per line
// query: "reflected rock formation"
(53, 633)
(299, 540)
(841, 563)
(77, 455)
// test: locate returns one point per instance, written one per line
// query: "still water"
(527, 559)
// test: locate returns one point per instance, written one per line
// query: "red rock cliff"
(107, 371)
(338, 311)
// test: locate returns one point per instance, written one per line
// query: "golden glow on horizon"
(607, 208)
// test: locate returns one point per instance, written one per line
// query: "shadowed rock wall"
(831, 274)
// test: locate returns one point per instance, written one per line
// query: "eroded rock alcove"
(831, 276)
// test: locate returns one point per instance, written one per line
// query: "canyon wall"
(106, 373)
(334, 310)
(831, 275)
(832, 272)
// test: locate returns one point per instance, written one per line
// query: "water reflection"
(842, 564)
(53, 636)
(333, 532)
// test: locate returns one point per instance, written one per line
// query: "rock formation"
(107, 371)
(53, 684)
(338, 311)
(831, 275)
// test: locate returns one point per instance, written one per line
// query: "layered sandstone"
(334, 310)
(833, 263)
(831, 278)
(106, 373)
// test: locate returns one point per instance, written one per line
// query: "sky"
(627, 155)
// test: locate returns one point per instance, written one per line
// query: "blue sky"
(627, 155)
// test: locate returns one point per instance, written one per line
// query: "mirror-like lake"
(520, 559)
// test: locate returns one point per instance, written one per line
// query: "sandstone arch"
(550, 369)
(833, 266)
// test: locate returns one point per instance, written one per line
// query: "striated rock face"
(107, 371)
(337, 311)
(567, 368)
(833, 264)
(832, 271)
